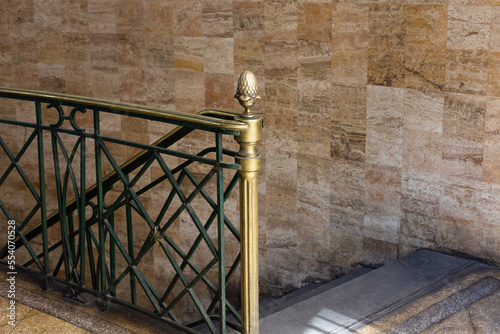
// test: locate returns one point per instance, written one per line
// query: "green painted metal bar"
(81, 213)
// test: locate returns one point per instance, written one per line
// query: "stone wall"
(382, 130)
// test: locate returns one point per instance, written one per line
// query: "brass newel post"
(249, 159)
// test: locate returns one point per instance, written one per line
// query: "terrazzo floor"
(468, 304)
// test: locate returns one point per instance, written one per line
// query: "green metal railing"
(101, 237)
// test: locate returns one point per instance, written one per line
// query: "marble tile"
(460, 199)
(189, 53)
(281, 59)
(281, 97)
(313, 186)
(493, 73)
(491, 162)
(48, 47)
(48, 16)
(347, 196)
(249, 54)
(281, 20)
(420, 193)
(130, 17)
(424, 110)
(217, 18)
(386, 66)
(427, 26)
(189, 91)
(467, 71)
(133, 86)
(52, 78)
(348, 141)
(387, 25)
(76, 76)
(495, 29)
(104, 52)
(350, 40)
(159, 50)
(218, 56)
(383, 203)
(282, 133)
(315, 60)
(102, 16)
(130, 50)
(384, 126)
(313, 122)
(219, 89)
(314, 22)
(249, 20)
(160, 18)
(349, 104)
(76, 47)
(469, 27)
(188, 18)
(463, 135)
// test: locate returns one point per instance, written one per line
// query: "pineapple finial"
(246, 93)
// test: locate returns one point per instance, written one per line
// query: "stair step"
(348, 306)
(269, 306)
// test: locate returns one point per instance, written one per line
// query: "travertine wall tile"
(467, 71)
(381, 132)
(384, 126)
(469, 27)
(383, 203)
(350, 39)
(463, 135)
(491, 161)
(281, 20)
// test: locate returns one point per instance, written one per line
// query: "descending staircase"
(425, 292)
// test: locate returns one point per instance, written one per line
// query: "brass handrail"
(180, 118)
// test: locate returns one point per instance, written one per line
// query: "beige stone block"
(219, 89)
(493, 73)
(460, 199)
(281, 171)
(421, 193)
(131, 50)
(48, 15)
(495, 29)
(386, 66)
(104, 52)
(188, 20)
(217, 18)
(159, 18)
(280, 20)
(315, 60)
(425, 69)
(248, 20)
(281, 96)
(219, 56)
(250, 54)
(427, 26)
(387, 25)
(384, 126)
(467, 71)
(350, 67)
(281, 59)
(48, 47)
(469, 27)
(314, 22)
(281, 133)
(423, 110)
(349, 105)
(463, 135)
(189, 91)
(102, 16)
